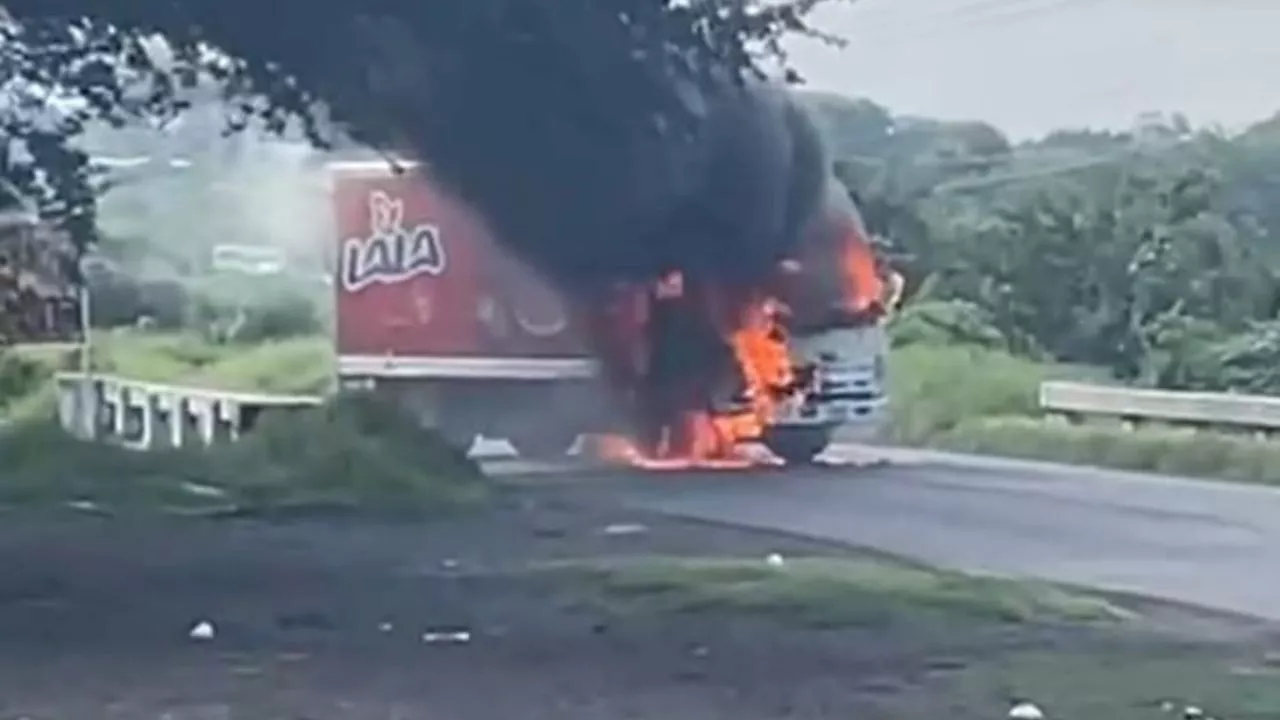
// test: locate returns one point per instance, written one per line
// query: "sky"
(1030, 66)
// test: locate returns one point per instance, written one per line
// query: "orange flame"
(760, 347)
(712, 438)
(863, 286)
(753, 325)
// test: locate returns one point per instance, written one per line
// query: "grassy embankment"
(986, 402)
(349, 454)
(950, 645)
(944, 397)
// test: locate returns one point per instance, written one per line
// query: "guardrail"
(145, 416)
(1133, 406)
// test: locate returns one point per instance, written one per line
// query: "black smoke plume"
(581, 174)
(575, 168)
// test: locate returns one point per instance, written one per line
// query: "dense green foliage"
(1151, 252)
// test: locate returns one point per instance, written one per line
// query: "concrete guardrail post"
(148, 416)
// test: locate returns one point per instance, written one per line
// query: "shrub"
(942, 323)
(355, 453)
(934, 388)
(237, 310)
(296, 366)
(281, 316)
(302, 365)
(1177, 451)
(20, 376)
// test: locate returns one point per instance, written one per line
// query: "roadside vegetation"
(353, 453)
(985, 401)
(829, 592)
(1142, 257)
(1145, 257)
(293, 365)
(954, 396)
(946, 644)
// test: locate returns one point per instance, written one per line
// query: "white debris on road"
(201, 490)
(85, 506)
(202, 630)
(625, 529)
(452, 637)
(1025, 711)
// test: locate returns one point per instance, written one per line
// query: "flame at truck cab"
(702, 366)
(699, 367)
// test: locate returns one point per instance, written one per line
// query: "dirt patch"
(327, 620)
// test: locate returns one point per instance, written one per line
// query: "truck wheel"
(797, 445)
(550, 443)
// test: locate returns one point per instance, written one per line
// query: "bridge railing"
(145, 416)
(1133, 406)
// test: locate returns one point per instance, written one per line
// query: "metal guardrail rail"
(1133, 406)
(146, 416)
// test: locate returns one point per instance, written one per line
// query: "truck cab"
(846, 394)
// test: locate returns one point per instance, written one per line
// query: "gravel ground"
(326, 620)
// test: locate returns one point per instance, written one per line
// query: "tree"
(498, 94)
(1144, 252)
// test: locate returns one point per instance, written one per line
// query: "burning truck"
(432, 310)
(745, 307)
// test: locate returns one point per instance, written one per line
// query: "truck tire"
(797, 444)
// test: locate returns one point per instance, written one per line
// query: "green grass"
(1075, 655)
(302, 366)
(960, 398)
(1175, 451)
(352, 454)
(297, 366)
(934, 389)
(831, 592)
(986, 402)
(1116, 682)
(159, 357)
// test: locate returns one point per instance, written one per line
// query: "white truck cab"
(847, 392)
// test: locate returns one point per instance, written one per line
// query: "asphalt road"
(1215, 545)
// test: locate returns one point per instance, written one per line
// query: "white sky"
(1028, 66)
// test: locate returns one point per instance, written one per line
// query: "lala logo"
(390, 253)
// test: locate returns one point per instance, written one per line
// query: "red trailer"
(431, 309)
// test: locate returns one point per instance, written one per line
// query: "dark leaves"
(103, 62)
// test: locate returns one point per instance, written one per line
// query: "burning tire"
(797, 444)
